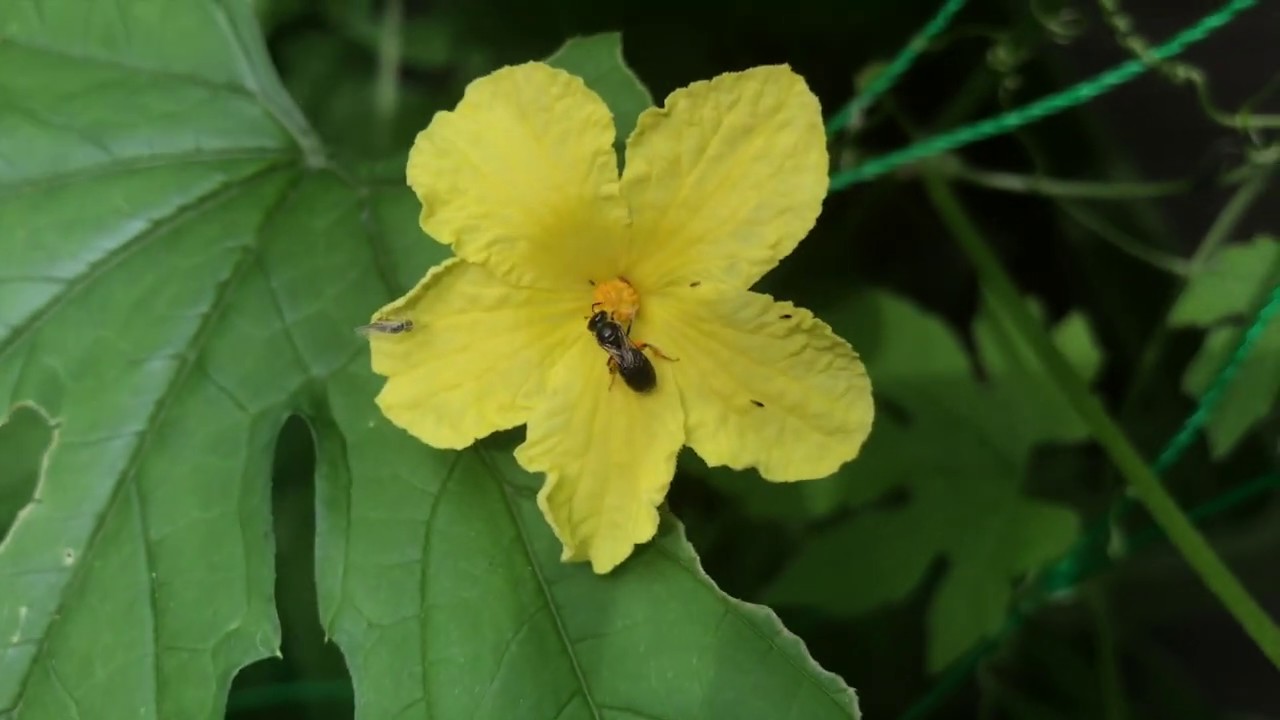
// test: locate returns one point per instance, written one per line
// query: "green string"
(1071, 97)
(899, 65)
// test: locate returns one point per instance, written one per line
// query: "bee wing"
(630, 358)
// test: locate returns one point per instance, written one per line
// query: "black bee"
(626, 357)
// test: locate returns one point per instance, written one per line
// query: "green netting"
(1071, 97)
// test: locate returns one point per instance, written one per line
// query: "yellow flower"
(721, 183)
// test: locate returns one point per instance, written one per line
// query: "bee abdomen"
(638, 373)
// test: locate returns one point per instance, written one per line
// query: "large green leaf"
(1238, 280)
(957, 450)
(180, 270)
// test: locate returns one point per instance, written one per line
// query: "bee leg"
(646, 346)
(613, 370)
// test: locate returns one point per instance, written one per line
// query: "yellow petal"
(522, 177)
(725, 179)
(764, 384)
(608, 453)
(476, 357)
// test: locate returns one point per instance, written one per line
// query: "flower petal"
(476, 357)
(725, 179)
(609, 455)
(522, 177)
(764, 384)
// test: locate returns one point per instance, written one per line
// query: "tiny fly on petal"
(386, 327)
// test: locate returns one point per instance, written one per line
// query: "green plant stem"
(386, 90)
(1025, 184)
(1009, 308)
(1219, 504)
(1110, 677)
(1062, 189)
(1224, 226)
(1220, 231)
(1125, 243)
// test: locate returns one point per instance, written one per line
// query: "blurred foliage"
(961, 497)
(1224, 297)
(977, 476)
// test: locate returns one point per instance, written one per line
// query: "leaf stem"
(1025, 184)
(1221, 230)
(1125, 243)
(386, 90)
(1009, 308)
(1110, 677)
(1224, 226)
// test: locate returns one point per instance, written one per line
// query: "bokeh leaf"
(941, 476)
(180, 270)
(597, 59)
(1221, 299)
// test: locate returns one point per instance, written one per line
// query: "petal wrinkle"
(725, 179)
(476, 358)
(522, 177)
(764, 384)
(608, 453)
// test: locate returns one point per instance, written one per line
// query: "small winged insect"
(626, 357)
(386, 327)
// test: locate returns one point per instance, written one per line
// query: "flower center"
(618, 298)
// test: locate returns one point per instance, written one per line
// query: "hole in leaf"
(757, 403)
(695, 283)
(25, 436)
(311, 677)
(785, 316)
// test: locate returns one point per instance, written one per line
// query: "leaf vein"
(129, 67)
(735, 607)
(561, 632)
(436, 502)
(150, 585)
(158, 412)
(158, 228)
(129, 163)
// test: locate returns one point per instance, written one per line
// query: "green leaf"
(941, 476)
(180, 271)
(1225, 296)
(335, 83)
(459, 590)
(597, 59)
